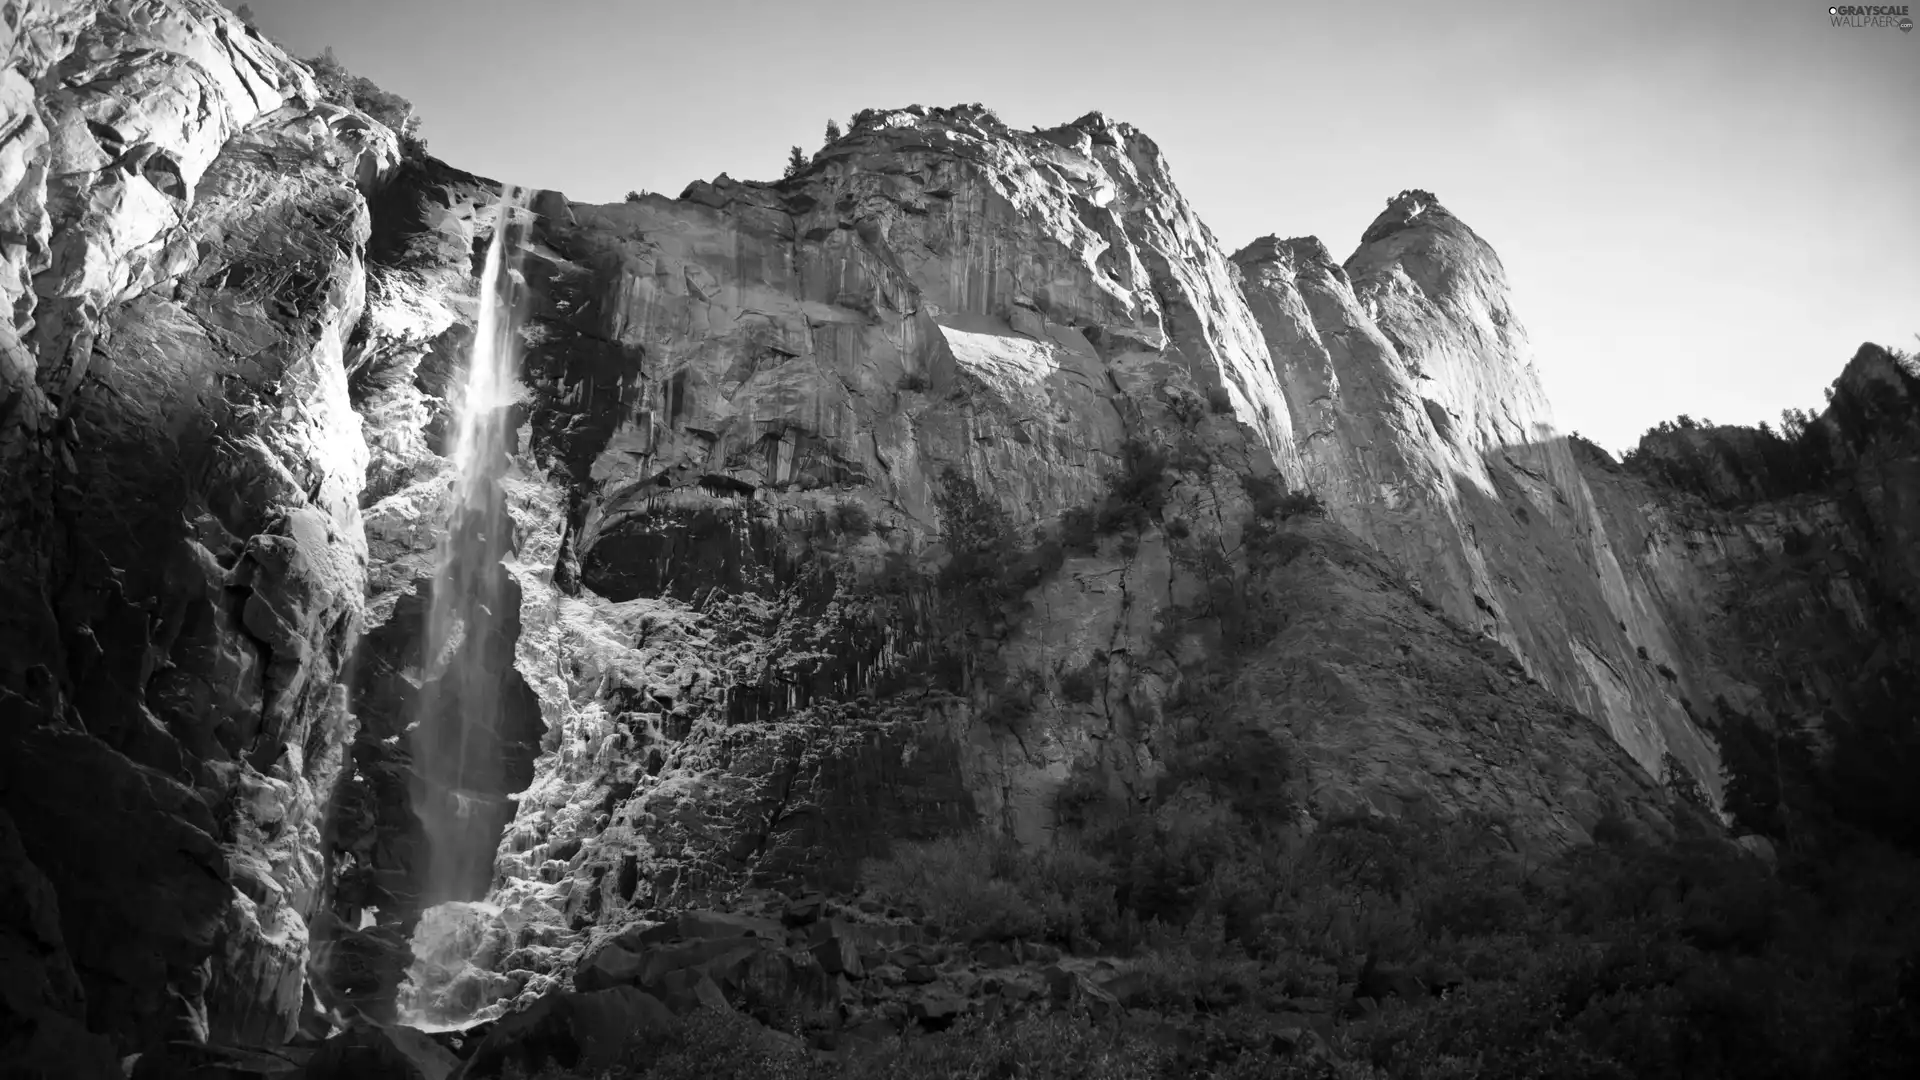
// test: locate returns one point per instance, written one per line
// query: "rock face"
(880, 502)
(889, 498)
(184, 562)
(1789, 577)
(1424, 427)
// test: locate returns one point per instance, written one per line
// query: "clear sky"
(1704, 206)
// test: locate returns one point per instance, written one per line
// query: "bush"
(1297, 503)
(986, 883)
(960, 882)
(1080, 530)
(1137, 492)
(1612, 829)
(342, 87)
(1619, 960)
(851, 519)
(1272, 502)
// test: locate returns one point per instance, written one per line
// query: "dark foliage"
(1272, 502)
(343, 87)
(852, 519)
(1681, 782)
(1138, 491)
(1802, 455)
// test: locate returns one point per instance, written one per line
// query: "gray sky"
(1704, 207)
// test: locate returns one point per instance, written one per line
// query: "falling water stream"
(459, 776)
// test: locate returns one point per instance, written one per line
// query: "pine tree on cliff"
(833, 132)
(796, 163)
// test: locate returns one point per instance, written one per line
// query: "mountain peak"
(1295, 253)
(1404, 211)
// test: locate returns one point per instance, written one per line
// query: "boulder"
(936, 1009)
(573, 1030)
(612, 965)
(804, 909)
(720, 924)
(838, 953)
(376, 1053)
(1760, 848)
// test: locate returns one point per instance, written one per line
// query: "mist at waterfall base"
(459, 769)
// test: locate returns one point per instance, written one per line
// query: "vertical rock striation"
(1424, 427)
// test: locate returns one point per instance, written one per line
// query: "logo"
(1897, 16)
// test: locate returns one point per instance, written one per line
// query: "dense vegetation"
(1731, 466)
(1618, 961)
(343, 87)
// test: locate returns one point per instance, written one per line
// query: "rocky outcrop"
(1423, 426)
(184, 563)
(1787, 570)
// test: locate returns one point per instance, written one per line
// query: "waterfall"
(459, 783)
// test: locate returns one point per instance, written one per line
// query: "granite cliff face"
(1423, 425)
(1787, 573)
(184, 562)
(881, 502)
(892, 497)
